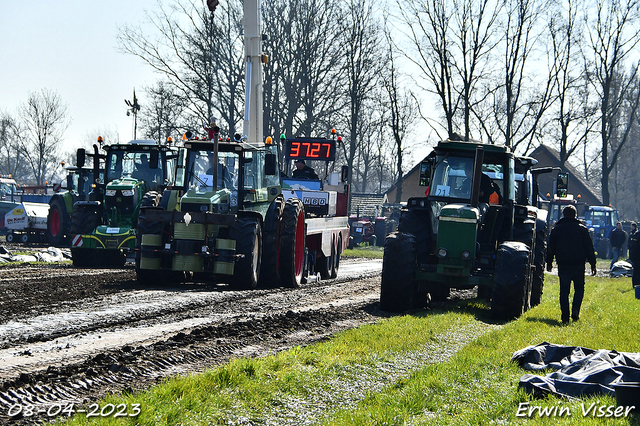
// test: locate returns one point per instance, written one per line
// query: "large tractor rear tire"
(292, 243)
(510, 281)
(247, 233)
(397, 287)
(58, 223)
(539, 262)
(270, 266)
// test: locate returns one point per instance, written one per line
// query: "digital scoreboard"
(311, 149)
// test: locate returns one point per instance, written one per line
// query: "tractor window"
(452, 178)
(200, 170)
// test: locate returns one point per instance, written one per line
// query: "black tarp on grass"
(580, 372)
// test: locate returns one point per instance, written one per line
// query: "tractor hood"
(220, 201)
(463, 212)
(124, 183)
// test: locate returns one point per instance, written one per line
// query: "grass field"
(433, 367)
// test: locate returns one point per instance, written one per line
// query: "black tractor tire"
(292, 244)
(10, 237)
(247, 232)
(149, 277)
(336, 258)
(84, 221)
(398, 263)
(603, 248)
(58, 223)
(270, 267)
(539, 263)
(526, 233)
(418, 223)
(510, 281)
(373, 241)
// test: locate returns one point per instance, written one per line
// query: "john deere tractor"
(103, 227)
(478, 225)
(80, 180)
(211, 223)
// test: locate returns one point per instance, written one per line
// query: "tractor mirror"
(80, 157)
(154, 160)
(425, 173)
(270, 164)
(344, 173)
(562, 184)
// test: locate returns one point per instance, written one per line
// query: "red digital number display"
(314, 149)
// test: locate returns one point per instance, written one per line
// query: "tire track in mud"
(209, 326)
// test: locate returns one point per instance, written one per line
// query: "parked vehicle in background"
(601, 220)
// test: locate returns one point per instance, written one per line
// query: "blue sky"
(70, 48)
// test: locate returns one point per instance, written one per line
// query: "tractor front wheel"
(397, 287)
(248, 235)
(511, 281)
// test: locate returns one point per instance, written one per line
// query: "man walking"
(634, 253)
(617, 237)
(571, 245)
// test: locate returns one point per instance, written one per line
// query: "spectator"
(571, 245)
(634, 253)
(303, 171)
(617, 237)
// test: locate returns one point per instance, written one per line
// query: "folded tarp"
(580, 372)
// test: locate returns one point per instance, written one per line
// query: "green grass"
(395, 372)
(372, 252)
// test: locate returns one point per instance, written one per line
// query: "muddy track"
(69, 336)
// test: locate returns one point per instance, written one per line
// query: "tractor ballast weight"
(479, 225)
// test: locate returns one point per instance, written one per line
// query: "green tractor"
(103, 227)
(80, 181)
(479, 225)
(224, 212)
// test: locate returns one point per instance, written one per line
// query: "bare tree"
(403, 113)
(613, 34)
(301, 86)
(11, 161)
(202, 58)
(524, 95)
(361, 41)
(459, 35)
(43, 121)
(574, 112)
(162, 115)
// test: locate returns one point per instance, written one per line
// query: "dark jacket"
(304, 173)
(634, 247)
(570, 243)
(617, 237)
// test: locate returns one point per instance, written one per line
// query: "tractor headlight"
(127, 192)
(111, 192)
(442, 252)
(466, 254)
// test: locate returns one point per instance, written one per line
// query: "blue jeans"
(616, 255)
(566, 274)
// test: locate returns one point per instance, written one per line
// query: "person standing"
(571, 245)
(617, 237)
(634, 253)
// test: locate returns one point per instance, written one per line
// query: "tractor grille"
(125, 205)
(194, 207)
